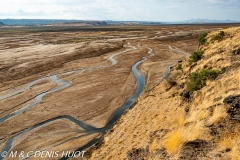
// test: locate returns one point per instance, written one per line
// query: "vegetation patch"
(196, 56)
(179, 67)
(219, 36)
(174, 141)
(198, 79)
(202, 38)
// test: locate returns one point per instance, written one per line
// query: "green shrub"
(196, 56)
(219, 36)
(179, 67)
(221, 33)
(202, 38)
(198, 79)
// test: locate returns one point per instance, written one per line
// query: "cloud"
(154, 10)
(172, 7)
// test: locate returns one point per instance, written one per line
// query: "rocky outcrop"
(160, 154)
(197, 149)
(233, 106)
(236, 52)
(137, 154)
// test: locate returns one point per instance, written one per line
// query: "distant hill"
(57, 22)
(33, 22)
(201, 21)
(94, 23)
(133, 23)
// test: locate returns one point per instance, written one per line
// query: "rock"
(217, 99)
(236, 52)
(170, 82)
(233, 106)
(233, 101)
(187, 109)
(137, 154)
(1, 24)
(161, 154)
(196, 149)
(185, 94)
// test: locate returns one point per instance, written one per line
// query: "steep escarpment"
(193, 114)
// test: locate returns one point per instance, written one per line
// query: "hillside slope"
(168, 123)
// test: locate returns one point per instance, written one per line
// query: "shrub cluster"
(196, 56)
(202, 38)
(219, 36)
(198, 79)
(179, 66)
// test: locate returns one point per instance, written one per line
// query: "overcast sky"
(144, 10)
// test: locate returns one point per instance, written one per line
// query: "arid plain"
(56, 81)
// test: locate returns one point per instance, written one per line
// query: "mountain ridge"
(35, 22)
(203, 21)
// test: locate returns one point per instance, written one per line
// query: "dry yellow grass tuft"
(226, 141)
(176, 138)
(230, 140)
(152, 148)
(174, 141)
(197, 114)
(180, 120)
(156, 144)
(235, 153)
(197, 131)
(218, 114)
